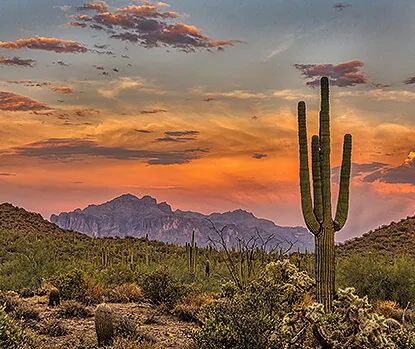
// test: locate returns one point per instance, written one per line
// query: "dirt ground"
(159, 328)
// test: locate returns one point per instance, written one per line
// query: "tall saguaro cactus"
(319, 218)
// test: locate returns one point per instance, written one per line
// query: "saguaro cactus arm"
(306, 204)
(315, 159)
(343, 199)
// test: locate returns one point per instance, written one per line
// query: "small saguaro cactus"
(104, 325)
(319, 219)
(54, 297)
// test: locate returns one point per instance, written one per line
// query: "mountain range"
(128, 215)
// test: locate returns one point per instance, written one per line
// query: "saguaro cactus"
(104, 325)
(319, 219)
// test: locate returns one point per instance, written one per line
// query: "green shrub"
(11, 336)
(254, 318)
(77, 286)
(160, 288)
(378, 277)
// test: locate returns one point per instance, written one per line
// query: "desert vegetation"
(61, 289)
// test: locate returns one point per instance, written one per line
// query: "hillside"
(393, 239)
(128, 215)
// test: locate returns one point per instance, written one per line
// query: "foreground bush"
(11, 336)
(161, 288)
(277, 311)
(77, 286)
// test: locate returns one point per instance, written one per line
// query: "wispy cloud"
(14, 102)
(75, 149)
(17, 61)
(62, 89)
(47, 44)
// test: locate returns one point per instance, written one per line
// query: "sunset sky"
(194, 103)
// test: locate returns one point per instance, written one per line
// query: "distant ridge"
(395, 238)
(128, 215)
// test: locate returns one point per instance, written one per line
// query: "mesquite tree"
(319, 219)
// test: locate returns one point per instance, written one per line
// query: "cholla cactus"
(104, 325)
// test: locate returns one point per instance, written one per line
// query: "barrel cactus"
(104, 326)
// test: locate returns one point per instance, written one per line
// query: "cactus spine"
(319, 219)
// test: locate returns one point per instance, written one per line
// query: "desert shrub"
(378, 277)
(9, 300)
(77, 286)
(188, 307)
(74, 309)
(11, 336)
(123, 343)
(53, 328)
(159, 287)
(26, 293)
(125, 293)
(125, 327)
(254, 317)
(26, 312)
(404, 339)
(388, 309)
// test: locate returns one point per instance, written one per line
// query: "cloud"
(75, 149)
(381, 95)
(47, 44)
(30, 83)
(146, 25)
(62, 89)
(341, 75)
(143, 131)
(410, 80)
(209, 99)
(174, 140)
(153, 111)
(17, 61)
(64, 8)
(404, 173)
(114, 89)
(14, 102)
(259, 156)
(340, 6)
(97, 6)
(87, 112)
(5, 174)
(61, 63)
(358, 169)
(181, 133)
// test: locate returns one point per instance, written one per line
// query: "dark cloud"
(181, 133)
(74, 149)
(404, 173)
(61, 63)
(358, 169)
(101, 47)
(143, 131)
(340, 6)
(62, 89)
(17, 61)
(209, 99)
(14, 102)
(47, 44)
(259, 156)
(153, 111)
(174, 140)
(341, 75)
(146, 25)
(410, 80)
(30, 83)
(4, 174)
